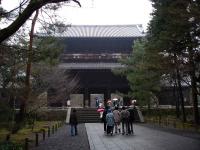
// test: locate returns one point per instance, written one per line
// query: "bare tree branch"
(19, 7)
(28, 11)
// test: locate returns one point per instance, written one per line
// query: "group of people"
(113, 118)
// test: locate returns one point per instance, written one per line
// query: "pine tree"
(174, 30)
(142, 74)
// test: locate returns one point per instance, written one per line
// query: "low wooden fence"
(39, 136)
(173, 123)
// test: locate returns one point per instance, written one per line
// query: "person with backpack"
(131, 119)
(117, 117)
(110, 122)
(124, 118)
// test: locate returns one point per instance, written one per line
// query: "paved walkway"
(62, 140)
(145, 138)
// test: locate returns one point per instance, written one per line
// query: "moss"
(26, 132)
(3, 133)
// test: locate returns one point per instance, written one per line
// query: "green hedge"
(165, 112)
(6, 113)
(10, 146)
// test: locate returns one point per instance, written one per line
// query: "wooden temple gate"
(91, 53)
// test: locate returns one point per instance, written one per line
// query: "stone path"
(62, 140)
(145, 138)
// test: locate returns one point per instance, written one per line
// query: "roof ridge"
(103, 25)
(128, 30)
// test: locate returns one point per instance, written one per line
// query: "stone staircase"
(87, 115)
(90, 115)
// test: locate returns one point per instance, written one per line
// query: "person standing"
(97, 102)
(131, 119)
(117, 118)
(110, 122)
(73, 122)
(68, 103)
(104, 118)
(124, 118)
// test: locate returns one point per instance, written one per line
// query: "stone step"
(88, 115)
(89, 120)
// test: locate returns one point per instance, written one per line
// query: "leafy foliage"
(174, 32)
(47, 50)
(11, 146)
(143, 76)
(6, 114)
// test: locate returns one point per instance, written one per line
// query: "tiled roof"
(102, 31)
(90, 65)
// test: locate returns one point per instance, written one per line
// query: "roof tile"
(102, 31)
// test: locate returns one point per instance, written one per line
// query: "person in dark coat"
(97, 102)
(73, 122)
(104, 118)
(124, 118)
(131, 119)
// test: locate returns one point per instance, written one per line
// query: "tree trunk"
(181, 95)
(194, 86)
(176, 99)
(28, 71)
(179, 87)
(195, 99)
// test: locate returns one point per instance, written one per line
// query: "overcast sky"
(102, 12)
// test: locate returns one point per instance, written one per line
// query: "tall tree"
(28, 69)
(173, 31)
(143, 75)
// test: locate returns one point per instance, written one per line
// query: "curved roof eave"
(112, 31)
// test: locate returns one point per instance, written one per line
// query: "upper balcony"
(103, 57)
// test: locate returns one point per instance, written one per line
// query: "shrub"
(10, 146)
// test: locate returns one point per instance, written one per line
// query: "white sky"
(97, 12)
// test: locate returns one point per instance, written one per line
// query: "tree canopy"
(174, 32)
(143, 75)
(169, 52)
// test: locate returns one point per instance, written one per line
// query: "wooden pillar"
(107, 96)
(86, 98)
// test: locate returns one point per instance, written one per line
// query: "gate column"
(86, 99)
(107, 96)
